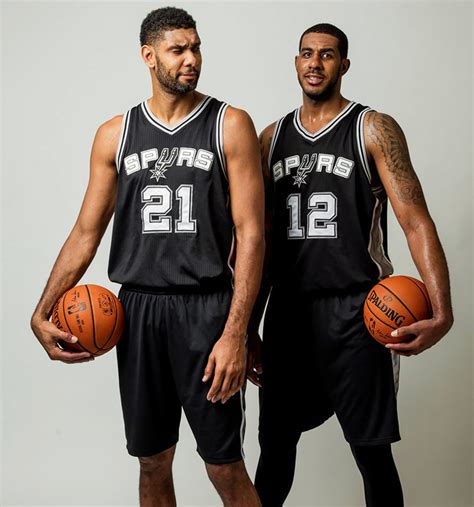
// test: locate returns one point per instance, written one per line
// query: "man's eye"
(326, 56)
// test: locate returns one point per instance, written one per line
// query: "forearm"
(429, 258)
(74, 258)
(247, 277)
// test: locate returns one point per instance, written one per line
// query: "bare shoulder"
(381, 128)
(111, 128)
(265, 138)
(387, 146)
(237, 118)
(107, 137)
(267, 133)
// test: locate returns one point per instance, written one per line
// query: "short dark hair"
(343, 43)
(161, 20)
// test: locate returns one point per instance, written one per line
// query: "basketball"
(91, 313)
(395, 302)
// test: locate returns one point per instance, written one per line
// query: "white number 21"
(158, 203)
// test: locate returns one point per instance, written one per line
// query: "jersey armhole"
(362, 152)
(122, 139)
(276, 132)
(220, 137)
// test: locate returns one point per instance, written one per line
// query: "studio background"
(70, 66)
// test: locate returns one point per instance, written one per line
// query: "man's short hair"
(343, 43)
(161, 20)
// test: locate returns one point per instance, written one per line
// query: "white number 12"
(320, 224)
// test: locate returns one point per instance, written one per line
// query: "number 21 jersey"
(329, 207)
(173, 227)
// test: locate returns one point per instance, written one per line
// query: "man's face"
(319, 65)
(178, 60)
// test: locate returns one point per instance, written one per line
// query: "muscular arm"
(227, 359)
(387, 147)
(254, 363)
(81, 245)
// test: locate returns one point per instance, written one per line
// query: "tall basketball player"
(182, 172)
(330, 166)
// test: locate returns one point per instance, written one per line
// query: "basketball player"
(182, 172)
(330, 166)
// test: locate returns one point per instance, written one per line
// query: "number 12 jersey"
(329, 206)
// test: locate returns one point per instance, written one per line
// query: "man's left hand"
(420, 335)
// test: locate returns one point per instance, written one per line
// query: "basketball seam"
(401, 302)
(92, 316)
(115, 326)
(428, 302)
(377, 317)
(64, 314)
(85, 348)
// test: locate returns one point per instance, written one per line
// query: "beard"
(324, 94)
(171, 83)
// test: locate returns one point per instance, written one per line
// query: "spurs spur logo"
(161, 165)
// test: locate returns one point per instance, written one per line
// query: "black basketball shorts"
(161, 359)
(319, 359)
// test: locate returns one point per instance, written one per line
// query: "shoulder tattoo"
(388, 138)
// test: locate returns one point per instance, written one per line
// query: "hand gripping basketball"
(91, 313)
(395, 302)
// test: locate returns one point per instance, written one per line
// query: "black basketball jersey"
(173, 227)
(329, 206)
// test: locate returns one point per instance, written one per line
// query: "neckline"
(154, 120)
(323, 130)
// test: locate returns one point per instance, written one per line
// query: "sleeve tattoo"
(389, 140)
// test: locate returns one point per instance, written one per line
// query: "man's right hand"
(254, 358)
(49, 335)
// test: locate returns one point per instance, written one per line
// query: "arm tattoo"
(387, 136)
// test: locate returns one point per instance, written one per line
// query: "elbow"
(414, 225)
(251, 237)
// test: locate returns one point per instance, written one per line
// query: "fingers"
(254, 377)
(225, 385)
(225, 390)
(209, 369)
(70, 357)
(254, 371)
(409, 348)
(216, 385)
(55, 342)
(235, 387)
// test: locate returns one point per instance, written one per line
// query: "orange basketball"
(395, 302)
(91, 313)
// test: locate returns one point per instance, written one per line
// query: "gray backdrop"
(67, 67)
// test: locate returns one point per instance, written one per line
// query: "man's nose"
(190, 59)
(315, 62)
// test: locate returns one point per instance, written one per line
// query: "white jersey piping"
(122, 139)
(327, 128)
(220, 137)
(181, 124)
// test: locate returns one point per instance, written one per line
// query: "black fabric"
(329, 220)
(276, 469)
(381, 481)
(276, 465)
(319, 359)
(172, 224)
(161, 359)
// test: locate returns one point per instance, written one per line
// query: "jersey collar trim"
(181, 124)
(321, 132)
